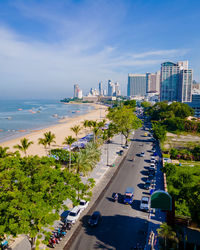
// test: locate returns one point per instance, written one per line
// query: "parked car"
(94, 219)
(152, 171)
(73, 215)
(142, 154)
(129, 195)
(145, 203)
(125, 146)
(151, 177)
(153, 161)
(64, 215)
(121, 152)
(147, 184)
(83, 204)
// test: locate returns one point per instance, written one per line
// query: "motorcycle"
(61, 232)
(52, 242)
(115, 197)
(68, 225)
(57, 237)
(4, 244)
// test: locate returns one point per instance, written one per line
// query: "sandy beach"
(61, 131)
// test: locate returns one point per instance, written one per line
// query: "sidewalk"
(156, 219)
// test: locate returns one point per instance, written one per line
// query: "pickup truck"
(128, 196)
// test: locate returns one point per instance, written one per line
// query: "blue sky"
(46, 46)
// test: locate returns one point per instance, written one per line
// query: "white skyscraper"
(111, 88)
(100, 89)
(117, 90)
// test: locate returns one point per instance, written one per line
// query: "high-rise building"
(195, 85)
(137, 85)
(175, 82)
(100, 89)
(93, 92)
(80, 94)
(111, 88)
(185, 90)
(77, 92)
(76, 88)
(117, 90)
(153, 82)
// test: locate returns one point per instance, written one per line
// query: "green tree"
(159, 131)
(48, 139)
(76, 129)
(3, 152)
(43, 142)
(130, 103)
(146, 104)
(85, 159)
(25, 144)
(166, 232)
(125, 120)
(85, 124)
(181, 110)
(32, 193)
(173, 153)
(69, 141)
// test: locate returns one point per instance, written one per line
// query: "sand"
(61, 131)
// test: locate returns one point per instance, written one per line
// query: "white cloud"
(40, 68)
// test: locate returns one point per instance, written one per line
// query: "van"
(73, 215)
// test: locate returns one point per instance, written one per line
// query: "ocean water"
(19, 117)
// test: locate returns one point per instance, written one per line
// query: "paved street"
(122, 226)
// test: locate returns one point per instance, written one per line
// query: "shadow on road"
(141, 185)
(113, 233)
(144, 179)
(110, 199)
(136, 205)
(144, 172)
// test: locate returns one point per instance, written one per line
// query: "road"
(122, 226)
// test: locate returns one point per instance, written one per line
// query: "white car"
(145, 203)
(83, 204)
(142, 154)
(73, 215)
(153, 159)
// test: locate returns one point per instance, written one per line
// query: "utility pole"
(107, 155)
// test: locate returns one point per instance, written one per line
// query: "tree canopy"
(32, 192)
(125, 120)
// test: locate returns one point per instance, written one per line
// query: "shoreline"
(61, 130)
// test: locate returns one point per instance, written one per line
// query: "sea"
(20, 117)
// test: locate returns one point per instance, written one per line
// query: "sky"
(47, 46)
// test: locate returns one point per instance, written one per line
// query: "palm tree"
(68, 141)
(85, 124)
(43, 142)
(86, 159)
(96, 131)
(47, 140)
(166, 232)
(25, 144)
(82, 162)
(3, 152)
(76, 129)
